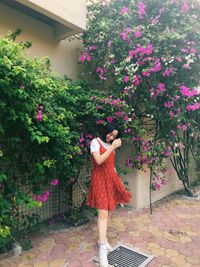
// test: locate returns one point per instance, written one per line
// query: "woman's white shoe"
(103, 260)
(108, 246)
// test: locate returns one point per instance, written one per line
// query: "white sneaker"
(103, 260)
(108, 246)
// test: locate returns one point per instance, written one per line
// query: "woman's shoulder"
(95, 142)
(94, 146)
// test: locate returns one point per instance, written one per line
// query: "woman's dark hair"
(103, 130)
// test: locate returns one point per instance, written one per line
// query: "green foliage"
(41, 116)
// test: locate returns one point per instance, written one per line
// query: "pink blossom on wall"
(123, 11)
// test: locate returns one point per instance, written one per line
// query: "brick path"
(171, 234)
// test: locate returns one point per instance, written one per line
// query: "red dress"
(106, 188)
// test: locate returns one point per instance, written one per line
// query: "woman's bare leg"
(108, 218)
(102, 225)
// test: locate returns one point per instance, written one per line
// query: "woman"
(106, 189)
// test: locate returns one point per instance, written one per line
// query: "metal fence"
(63, 197)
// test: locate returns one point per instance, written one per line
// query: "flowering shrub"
(147, 54)
(40, 122)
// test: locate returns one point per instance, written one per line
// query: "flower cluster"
(153, 70)
(39, 115)
(44, 197)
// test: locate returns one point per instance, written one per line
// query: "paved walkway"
(171, 233)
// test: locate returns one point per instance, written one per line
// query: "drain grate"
(123, 256)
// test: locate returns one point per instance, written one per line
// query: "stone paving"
(171, 234)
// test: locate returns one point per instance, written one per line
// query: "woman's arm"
(101, 158)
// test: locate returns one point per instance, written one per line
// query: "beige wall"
(71, 13)
(63, 54)
(138, 182)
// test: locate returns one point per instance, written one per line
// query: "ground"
(171, 234)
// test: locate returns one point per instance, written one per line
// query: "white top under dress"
(95, 146)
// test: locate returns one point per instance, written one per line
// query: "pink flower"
(124, 35)
(184, 50)
(39, 116)
(44, 198)
(152, 93)
(37, 197)
(193, 106)
(92, 47)
(109, 119)
(140, 63)
(138, 34)
(171, 114)
(99, 122)
(136, 80)
(169, 104)
(157, 66)
(193, 50)
(84, 56)
(141, 9)
(113, 61)
(118, 113)
(185, 7)
(101, 72)
(123, 11)
(185, 91)
(156, 186)
(174, 133)
(139, 157)
(125, 118)
(146, 73)
(178, 111)
(132, 53)
(46, 192)
(179, 59)
(109, 43)
(81, 140)
(181, 127)
(126, 79)
(149, 49)
(161, 87)
(89, 136)
(167, 72)
(168, 153)
(99, 107)
(141, 51)
(40, 107)
(186, 66)
(54, 182)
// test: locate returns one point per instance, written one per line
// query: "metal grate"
(123, 256)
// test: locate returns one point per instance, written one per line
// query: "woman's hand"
(101, 158)
(117, 143)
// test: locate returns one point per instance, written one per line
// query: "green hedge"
(42, 117)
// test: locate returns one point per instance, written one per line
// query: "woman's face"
(111, 136)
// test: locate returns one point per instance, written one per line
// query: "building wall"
(71, 13)
(63, 54)
(138, 181)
